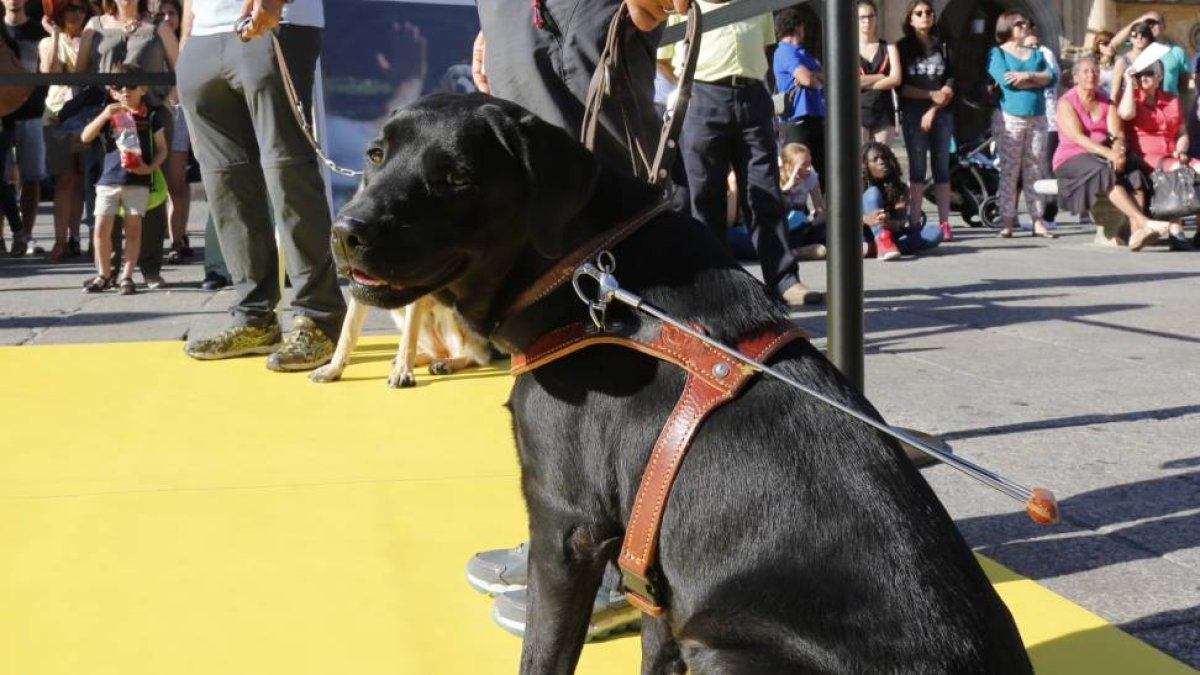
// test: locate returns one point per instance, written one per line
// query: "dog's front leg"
(356, 313)
(409, 324)
(660, 650)
(565, 568)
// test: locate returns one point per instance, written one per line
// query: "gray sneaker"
(612, 614)
(499, 570)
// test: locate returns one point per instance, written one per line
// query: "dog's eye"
(456, 179)
(375, 155)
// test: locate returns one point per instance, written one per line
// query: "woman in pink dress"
(1090, 161)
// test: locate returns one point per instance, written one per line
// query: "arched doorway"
(971, 25)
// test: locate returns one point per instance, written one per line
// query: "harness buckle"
(606, 287)
(642, 592)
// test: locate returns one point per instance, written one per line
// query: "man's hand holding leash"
(258, 18)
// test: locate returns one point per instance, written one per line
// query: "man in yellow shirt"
(729, 123)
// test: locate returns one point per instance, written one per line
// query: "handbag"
(785, 103)
(1175, 193)
(12, 96)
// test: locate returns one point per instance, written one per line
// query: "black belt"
(735, 81)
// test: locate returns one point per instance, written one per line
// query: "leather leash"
(657, 171)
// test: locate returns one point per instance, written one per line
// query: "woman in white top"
(57, 54)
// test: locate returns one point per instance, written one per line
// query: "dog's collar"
(561, 272)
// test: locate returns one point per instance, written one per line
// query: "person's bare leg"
(1143, 229)
(133, 245)
(181, 197)
(102, 244)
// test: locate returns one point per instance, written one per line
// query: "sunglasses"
(923, 12)
(122, 87)
(866, 17)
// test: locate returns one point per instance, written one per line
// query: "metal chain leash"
(298, 111)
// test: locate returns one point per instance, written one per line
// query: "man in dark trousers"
(730, 124)
(542, 57)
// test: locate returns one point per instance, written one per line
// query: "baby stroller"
(974, 183)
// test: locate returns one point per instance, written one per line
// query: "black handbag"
(1175, 193)
(785, 103)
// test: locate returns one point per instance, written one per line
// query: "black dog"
(795, 540)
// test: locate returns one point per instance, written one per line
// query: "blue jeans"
(935, 143)
(909, 239)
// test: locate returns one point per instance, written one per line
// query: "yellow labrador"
(430, 334)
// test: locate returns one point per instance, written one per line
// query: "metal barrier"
(84, 79)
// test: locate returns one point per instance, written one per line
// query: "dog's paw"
(326, 373)
(402, 379)
(439, 368)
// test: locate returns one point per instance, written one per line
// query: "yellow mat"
(164, 516)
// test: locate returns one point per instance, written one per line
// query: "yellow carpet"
(164, 516)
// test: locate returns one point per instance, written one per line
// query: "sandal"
(127, 287)
(97, 284)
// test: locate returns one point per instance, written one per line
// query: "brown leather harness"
(713, 379)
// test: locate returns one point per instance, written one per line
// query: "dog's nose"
(348, 232)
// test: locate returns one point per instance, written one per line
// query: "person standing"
(1050, 209)
(1022, 75)
(64, 150)
(521, 56)
(926, 118)
(879, 74)
(730, 122)
(1176, 67)
(126, 33)
(799, 76)
(27, 132)
(249, 145)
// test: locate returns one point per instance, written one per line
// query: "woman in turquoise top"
(1019, 125)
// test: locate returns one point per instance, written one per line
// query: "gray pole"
(845, 272)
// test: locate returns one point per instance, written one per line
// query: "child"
(806, 233)
(884, 204)
(121, 184)
(799, 184)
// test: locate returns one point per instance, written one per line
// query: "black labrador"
(796, 540)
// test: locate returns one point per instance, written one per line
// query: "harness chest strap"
(712, 380)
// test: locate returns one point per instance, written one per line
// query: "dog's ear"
(561, 174)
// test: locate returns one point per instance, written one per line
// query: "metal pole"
(845, 272)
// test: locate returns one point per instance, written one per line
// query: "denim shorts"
(923, 144)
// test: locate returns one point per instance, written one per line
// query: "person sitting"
(1154, 133)
(885, 203)
(805, 227)
(1090, 161)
